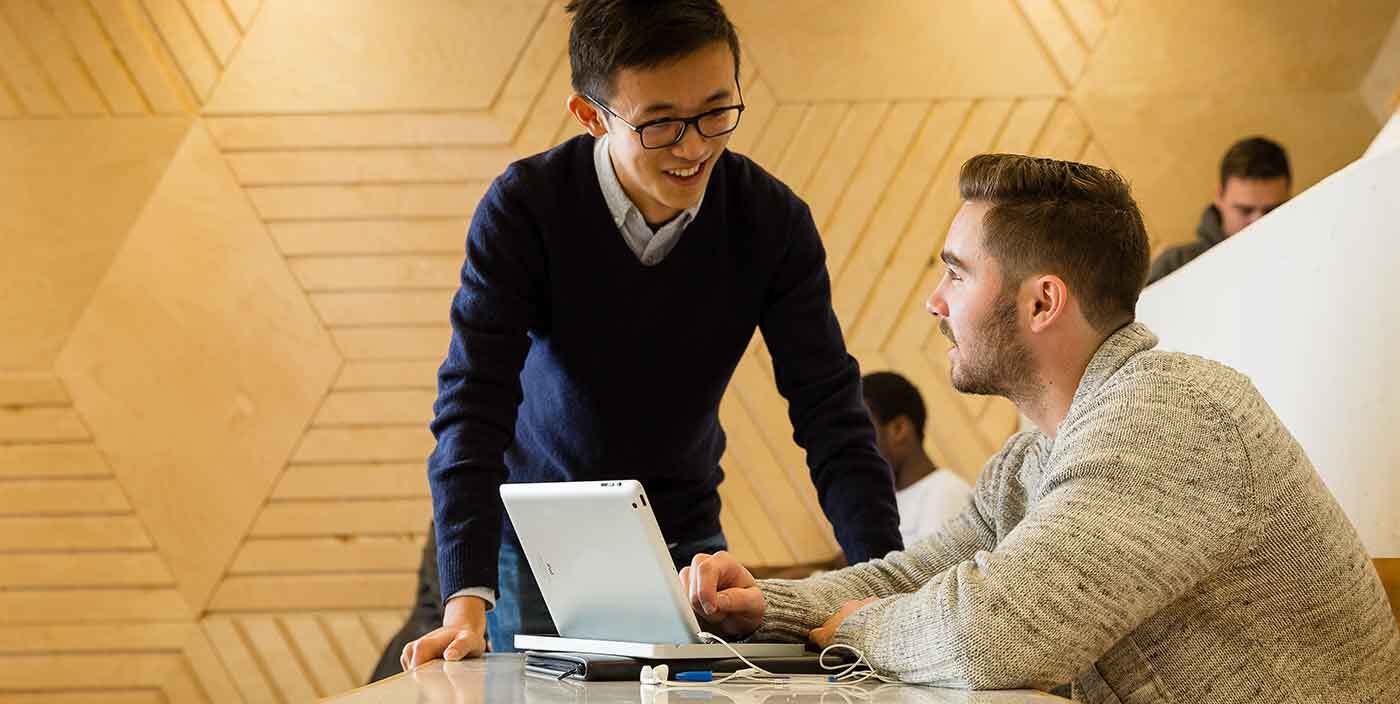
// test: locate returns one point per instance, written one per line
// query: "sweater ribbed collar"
(1116, 351)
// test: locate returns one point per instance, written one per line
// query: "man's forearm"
(864, 515)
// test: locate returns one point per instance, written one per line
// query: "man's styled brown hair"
(1073, 220)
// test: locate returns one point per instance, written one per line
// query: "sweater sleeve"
(479, 390)
(821, 383)
(1149, 498)
(795, 607)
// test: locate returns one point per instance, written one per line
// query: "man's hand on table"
(462, 635)
(723, 594)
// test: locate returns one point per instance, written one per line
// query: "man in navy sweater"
(610, 288)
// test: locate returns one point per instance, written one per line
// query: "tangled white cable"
(840, 675)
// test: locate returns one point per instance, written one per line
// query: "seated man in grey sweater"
(1158, 537)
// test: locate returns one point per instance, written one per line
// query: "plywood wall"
(232, 228)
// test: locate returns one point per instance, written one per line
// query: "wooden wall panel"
(354, 172)
(192, 410)
(55, 57)
(109, 696)
(94, 638)
(336, 202)
(383, 553)
(304, 518)
(273, 132)
(446, 235)
(382, 272)
(340, 481)
(921, 158)
(27, 80)
(394, 342)
(1389, 571)
(192, 53)
(116, 57)
(81, 583)
(55, 253)
(430, 165)
(891, 43)
(417, 59)
(361, 375)
(318, 591)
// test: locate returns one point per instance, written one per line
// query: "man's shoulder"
(531, 174)
(752, 184)
(1165, 388)
(1196, 374)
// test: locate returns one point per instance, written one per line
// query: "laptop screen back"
(600, 560)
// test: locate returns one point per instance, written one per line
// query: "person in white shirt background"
(927, 495)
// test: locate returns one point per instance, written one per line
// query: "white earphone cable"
(841, 675)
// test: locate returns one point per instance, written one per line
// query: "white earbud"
(655, 675)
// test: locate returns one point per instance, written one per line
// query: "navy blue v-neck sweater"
(571, 360)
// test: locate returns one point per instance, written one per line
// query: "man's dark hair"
(610, 35)
(1073, 220)
(1255, 158)
(890, 395)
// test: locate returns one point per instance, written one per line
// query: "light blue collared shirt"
(649, 246)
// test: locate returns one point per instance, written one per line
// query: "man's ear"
(901, 429)
(587, 115)
(1049, 301)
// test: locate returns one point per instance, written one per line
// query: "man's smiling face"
(663, 182)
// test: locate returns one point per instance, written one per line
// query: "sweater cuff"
(788, 615)
(486, 594)
(862, 627)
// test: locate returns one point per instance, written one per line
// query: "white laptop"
(606, 575)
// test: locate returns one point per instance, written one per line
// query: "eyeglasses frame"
(686, 122)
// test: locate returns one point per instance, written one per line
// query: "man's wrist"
(468, 610)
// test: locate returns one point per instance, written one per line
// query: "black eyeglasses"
(668, 131)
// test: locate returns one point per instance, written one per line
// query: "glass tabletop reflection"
(502, 678)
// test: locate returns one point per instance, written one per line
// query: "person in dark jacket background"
(1254, 179)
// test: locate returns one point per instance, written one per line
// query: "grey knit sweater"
(1172, 544)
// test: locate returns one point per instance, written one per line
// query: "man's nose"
(691, 146)
(932, 305)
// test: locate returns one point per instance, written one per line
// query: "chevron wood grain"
(116, 57)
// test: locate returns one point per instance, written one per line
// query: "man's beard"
(1003, 365)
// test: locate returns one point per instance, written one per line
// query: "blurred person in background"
(1254, 179)
(927, 495)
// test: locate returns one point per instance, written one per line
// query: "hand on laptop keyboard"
(723, 593)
